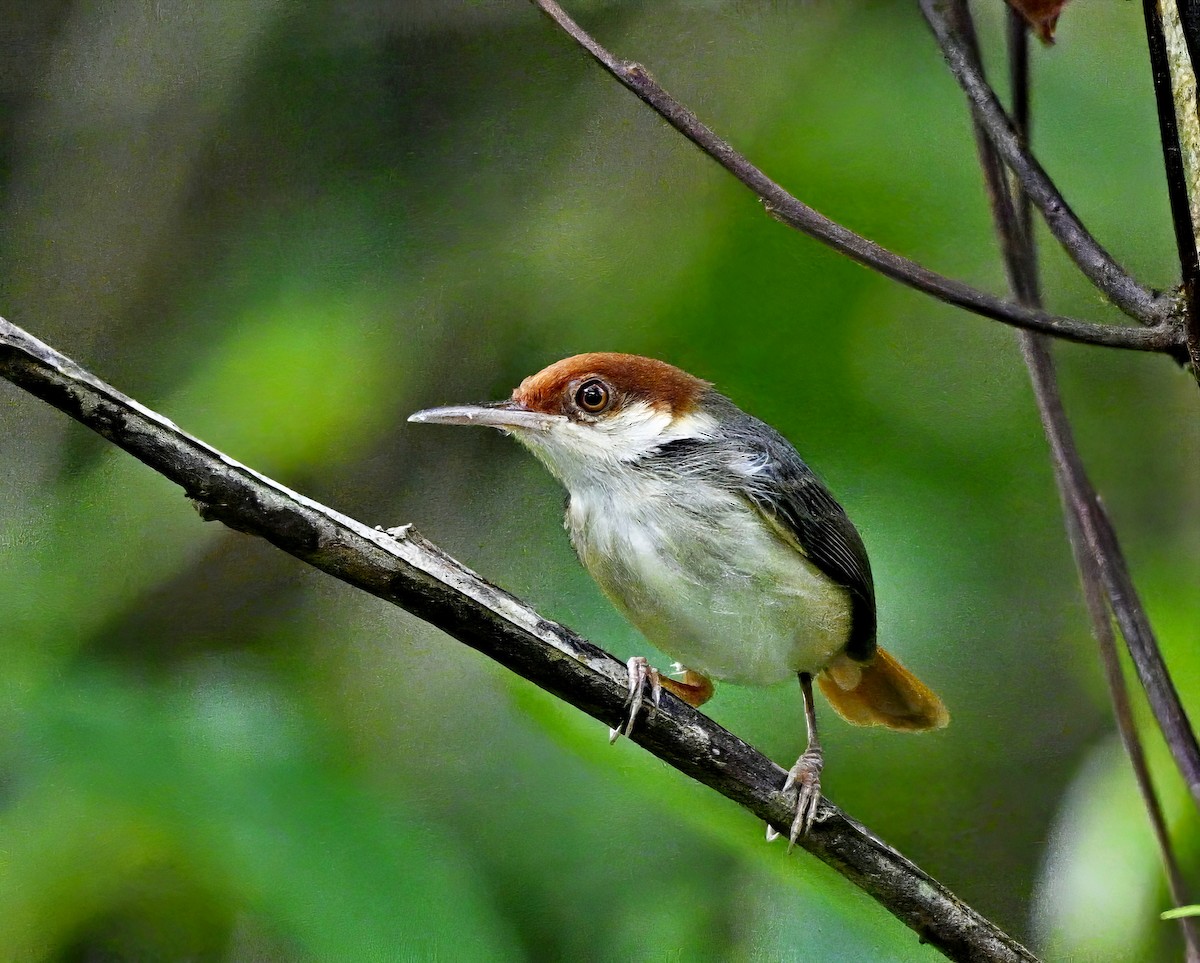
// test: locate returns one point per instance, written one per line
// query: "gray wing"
(803, 511)
(761, 465)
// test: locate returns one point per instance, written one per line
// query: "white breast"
(706, 581)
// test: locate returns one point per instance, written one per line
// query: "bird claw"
(640, 671)
(399, 532)
(805, 776)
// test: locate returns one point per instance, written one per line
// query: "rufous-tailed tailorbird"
(709, 532)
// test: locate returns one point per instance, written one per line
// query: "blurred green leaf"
(222, 779)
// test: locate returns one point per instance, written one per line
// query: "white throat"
(582, 455)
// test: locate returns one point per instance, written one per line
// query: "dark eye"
(592, 396)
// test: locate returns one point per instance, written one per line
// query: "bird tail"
(881, 693)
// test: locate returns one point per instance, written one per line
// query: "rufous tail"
(881, 693)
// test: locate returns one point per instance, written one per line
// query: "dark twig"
(1092, 259)
(1139, 636)
(1025, 261)
(1093, 592)
(1094, 524)
(1011, 212)
(1162, 335)
(416, 575)
(1177, 191)
(1040, 363)
(1082, 505)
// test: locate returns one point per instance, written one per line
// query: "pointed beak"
(505, 415)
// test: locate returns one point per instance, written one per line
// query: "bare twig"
(1081, 504)
(1093, 592)
(1182, 215)
(1139, 636)
(1039, 361)
(1094, 524)
(1010, 210)
(1093, 260)
(1104, 550)
(413, 573)
(1162, 335)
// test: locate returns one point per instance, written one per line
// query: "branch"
(1010, 212)
(1162, 333)
(1040, 363)
(1106, 584)
(1092, 259)
(1171, 85)
(1097, 604)
(416, 575)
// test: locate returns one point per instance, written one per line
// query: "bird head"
(590, 416)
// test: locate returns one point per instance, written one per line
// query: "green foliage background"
(286, 226)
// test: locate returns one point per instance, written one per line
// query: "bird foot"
(399, 532)
(640, 672)
(805, 776)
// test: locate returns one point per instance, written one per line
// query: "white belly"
(710, 584)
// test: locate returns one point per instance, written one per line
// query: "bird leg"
(640, 671)
(694, 689)
(806, 773)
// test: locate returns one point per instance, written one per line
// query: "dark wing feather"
(760, 464)
(799, 506)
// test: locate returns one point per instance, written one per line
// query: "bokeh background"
(286, 226)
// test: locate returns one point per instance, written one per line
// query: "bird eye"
(592, 395)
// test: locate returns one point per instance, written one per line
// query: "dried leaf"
(1041, 14)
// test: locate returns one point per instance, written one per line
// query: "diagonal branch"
(1162, 333)
(1093, 260)
(416, 575)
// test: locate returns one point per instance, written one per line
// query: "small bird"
(705, 528)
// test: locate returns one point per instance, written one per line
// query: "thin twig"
(1114, 677)
(1177, 190)
(1162, 335)
(1139, 635)
(1107, 560)
(414, 574)
(1094, 525)
(1039, 361)
(1011, 213)
(1093, 260)
(1080, 502)
(1025, 254)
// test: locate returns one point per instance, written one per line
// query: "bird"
(708, 531)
